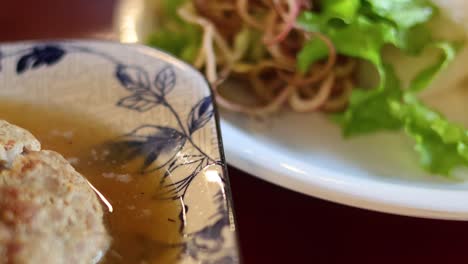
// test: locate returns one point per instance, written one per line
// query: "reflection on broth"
(142, 228)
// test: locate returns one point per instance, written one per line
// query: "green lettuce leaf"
(370, 24)
(311, 21)
(183, 43)
(169, 7)
(442, 145)
(409, 18)
(313, 50)
(175, 35)
(403, 13)
(425, 77)
(344, 10)
(363, 39)
(369, 110)
(413, 40)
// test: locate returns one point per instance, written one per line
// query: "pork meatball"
(48, 211)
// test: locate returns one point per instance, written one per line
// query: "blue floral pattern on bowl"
(179, 140)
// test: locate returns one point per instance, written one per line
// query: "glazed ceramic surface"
(162, 108)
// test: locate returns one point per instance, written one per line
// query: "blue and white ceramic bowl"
(149, 98)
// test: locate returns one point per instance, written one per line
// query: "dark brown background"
(275, 225)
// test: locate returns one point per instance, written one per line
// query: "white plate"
(306, 153)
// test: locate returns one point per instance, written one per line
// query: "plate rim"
(293, 175)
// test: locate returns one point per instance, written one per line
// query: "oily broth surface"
(142, 228)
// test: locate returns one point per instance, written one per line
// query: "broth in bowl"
(143, 229)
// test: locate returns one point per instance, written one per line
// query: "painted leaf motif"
(165, 81)
(200, 114)
(152, 146)
(208, 245)
(40, 55)
(208, 240)
(181, 172)
(138, 102)
(133, 78)
(182, 160)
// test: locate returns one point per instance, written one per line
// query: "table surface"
(275, 225)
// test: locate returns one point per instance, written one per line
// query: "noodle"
(274, 47)
(207, 49)
(280, 10)
(210, 55)
(271, 107)
(242, 10)
(290, 20)
(318, 75)
(300, 105)
(345, 70)
(272, 78)
(340, 102)
(200, 59)
(264, 92)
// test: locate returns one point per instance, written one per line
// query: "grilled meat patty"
(48, 211)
